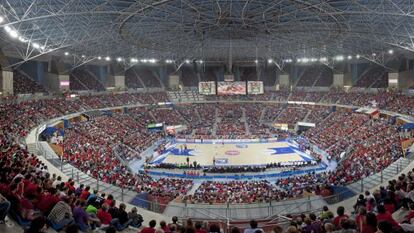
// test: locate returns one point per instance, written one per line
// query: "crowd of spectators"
(88, 146)
(230, 124)
(189, 77)
(132, 80)
(292, 115)
(34, 197)
(82, 79)
(148, 77)
(22, 84)
(236, 192)
(309, 77)
(325, 77)
(168, 116)
(371, 77)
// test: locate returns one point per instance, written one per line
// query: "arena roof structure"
(215, 30)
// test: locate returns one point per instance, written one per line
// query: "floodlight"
(36, 45)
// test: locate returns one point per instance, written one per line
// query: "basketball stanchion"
(77, 176)
(122, 193)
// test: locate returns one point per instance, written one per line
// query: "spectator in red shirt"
(71, 185)
(341, 216)
(47, 201)
(164, 227)
(103, 215)
(389, 205)
(370, 225)
(383, 215)
(361, 218)
(85, 193)
(151, 228)
(109, 200)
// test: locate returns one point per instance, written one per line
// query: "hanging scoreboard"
(231, 88)
(255, 87)
(207, 88)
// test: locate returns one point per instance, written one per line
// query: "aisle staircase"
(244, 120)
(194, 188)
(305, 119)
(214, 130)
(387, 174)
(262, 114)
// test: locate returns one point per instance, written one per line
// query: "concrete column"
(119, 82)
(6, 82)
(393, 79)
(338, 80)
(284, 80)
(173, 81)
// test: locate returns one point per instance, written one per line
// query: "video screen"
(231, 88)
(255, 87)
(207, 88)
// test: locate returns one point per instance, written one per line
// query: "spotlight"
(36, 45)
(66, 53)
(390, 51)
(107, 58)
(270, 60)
(119, 59)
(134, 60)
(358, 56)
(313, 59)
(1, 19)
(305, 60)
(323, 59)
(256, 61)
(7, 28)
(152, 60)
(83, 56)
(374, 54)
(349, 57)
(99, 58)
(144, 60)
(299, 60)
(22, 39)
(13, 33)
(187, 61)
(339, 58)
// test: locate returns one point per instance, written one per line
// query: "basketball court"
(232, 153)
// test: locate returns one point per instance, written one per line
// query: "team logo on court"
(232, 152)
